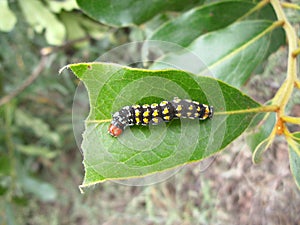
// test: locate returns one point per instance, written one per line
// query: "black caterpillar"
(156, 113)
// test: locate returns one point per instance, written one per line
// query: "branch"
(36, 72)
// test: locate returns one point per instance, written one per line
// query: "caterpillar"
(156, 113)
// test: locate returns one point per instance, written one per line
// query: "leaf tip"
(63, 68)
(81, 187)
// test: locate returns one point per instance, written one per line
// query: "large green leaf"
(141, 151)
(190, 25)
(230, 54)
(129, 12)
(294, 152)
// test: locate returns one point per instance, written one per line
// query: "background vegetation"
(41, 166)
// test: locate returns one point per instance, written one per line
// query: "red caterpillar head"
(114, 130)
(120, 121)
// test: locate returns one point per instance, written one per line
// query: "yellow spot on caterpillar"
(137, 120)
(191, 107)
(166, 111)
(189, 114)
(179, 108)
(135, 106)
(167, 117)
(155, 113)
(163, 103)
(204, 117)
(196, 114)
(137, 112)
(145, 106)
(178, 114)
(155, 120)
(146, 120)
(146, 113)
(154, 105)
(198, 109)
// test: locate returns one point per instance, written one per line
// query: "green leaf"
(59, 6)
(129, 12)
(37, 151)
(37, 126)
(294, 153)
(190, 25)
(40, 18)
(79, 26)
(230, 54)
(7, 17)
(142, 151)
(42, 190)
(73, 28)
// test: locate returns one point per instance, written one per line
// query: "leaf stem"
(291, 119)
(284, 93)
(290, 5)
(267, 108)
(296, 52)
(98, 121)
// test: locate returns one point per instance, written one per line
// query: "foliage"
(251, 34)
(232, 39)
(35, 103)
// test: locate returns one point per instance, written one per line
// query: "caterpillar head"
(120, 121)
(114, 130)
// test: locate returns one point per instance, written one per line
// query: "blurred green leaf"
(294, 153)
(10, 215)
(129, 12)
(152, 25)
(40, 18)
(190, 25)
(35, 150)
(37, 126)
(58, 6)
(4, 165)
(79, 26)
(7, 17)
(247, 44)
(140, 151)
(73, 28)
(42, 190)
(93, 29)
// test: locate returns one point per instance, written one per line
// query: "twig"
(36, 72)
